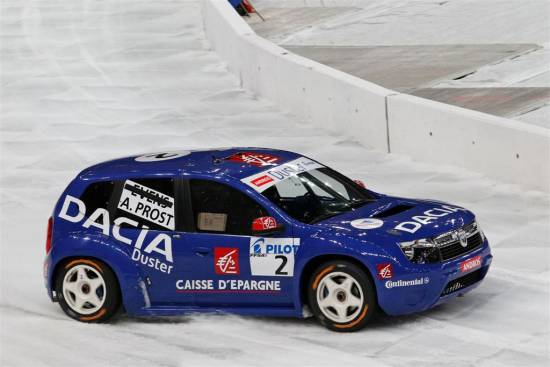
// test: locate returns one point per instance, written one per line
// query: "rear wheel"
(341, 296)
(87, 290)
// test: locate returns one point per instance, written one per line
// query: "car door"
(230, 266)
(146, 217)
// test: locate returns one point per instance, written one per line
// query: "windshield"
(317, 194)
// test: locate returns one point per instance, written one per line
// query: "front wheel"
(341, 296)
(87, 290)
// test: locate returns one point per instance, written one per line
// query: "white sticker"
(162, 156)
(273, 256)
(265, 179)
(146, 203)
(366, 223)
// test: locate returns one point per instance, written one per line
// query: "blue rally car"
(252, 231)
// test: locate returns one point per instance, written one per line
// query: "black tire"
(337, 271)
(107, 293)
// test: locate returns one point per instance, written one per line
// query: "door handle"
(202, 251)
(176, 236)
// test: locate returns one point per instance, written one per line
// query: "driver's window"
(219, 208)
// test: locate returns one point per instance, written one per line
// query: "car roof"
(237, 163)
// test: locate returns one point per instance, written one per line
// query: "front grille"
(463, 282)
(455, 248)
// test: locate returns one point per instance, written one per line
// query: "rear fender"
(118, 257)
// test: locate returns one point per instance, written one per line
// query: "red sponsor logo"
(470, 264)
(226, 260)
(384, 271)
(264, 223)
(262, 180)
(255, 159)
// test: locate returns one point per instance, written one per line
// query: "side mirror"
(360, 183)
(265, 225)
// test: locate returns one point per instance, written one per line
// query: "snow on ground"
(84, 81)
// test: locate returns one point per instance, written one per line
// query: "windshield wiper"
(325, 216)
(347, 206)
(359, 203)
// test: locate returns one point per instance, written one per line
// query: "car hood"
(399, 218)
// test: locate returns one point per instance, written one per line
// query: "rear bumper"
(48, 277)
(426, 286)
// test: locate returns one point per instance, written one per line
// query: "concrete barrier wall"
(426, 130)
(501, 148)
(332, 99)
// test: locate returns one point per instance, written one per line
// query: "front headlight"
(420, 251)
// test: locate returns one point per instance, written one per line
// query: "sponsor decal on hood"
(431, 215)
(366, 223)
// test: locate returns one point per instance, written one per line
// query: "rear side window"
(97, 195)
(219, 208)
(148, 202)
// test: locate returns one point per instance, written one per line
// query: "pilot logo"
(257, 248)
(384, 271)
(226, 260)
(273, 256)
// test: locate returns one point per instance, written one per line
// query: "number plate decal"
(273, 256)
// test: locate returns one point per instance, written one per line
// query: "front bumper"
(417, 288)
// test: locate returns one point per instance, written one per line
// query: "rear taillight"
(49, 236)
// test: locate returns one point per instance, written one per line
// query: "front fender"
(99, 246)
(319, 247)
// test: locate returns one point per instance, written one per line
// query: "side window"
(97, 195)
(147, 202)
(219, 208)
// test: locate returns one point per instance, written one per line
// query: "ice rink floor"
(85, 81)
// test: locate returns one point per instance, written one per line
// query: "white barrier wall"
(380, 118)
(331, 98)
(436, 132)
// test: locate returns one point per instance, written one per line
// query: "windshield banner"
(264, 180)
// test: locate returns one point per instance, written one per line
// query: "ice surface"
(85, 81)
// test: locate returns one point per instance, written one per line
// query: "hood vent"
(393, 211)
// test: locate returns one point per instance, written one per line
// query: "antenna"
(216, 160)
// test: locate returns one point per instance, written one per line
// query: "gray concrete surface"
(412, 69)
(405, 68)
(497, 101)
(281, 22)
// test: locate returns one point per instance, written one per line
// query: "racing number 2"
(284, 261)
